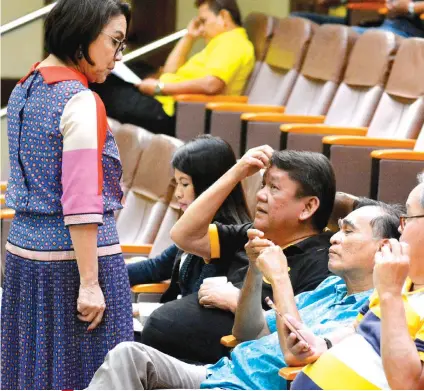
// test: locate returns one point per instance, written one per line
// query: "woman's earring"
(80, 54)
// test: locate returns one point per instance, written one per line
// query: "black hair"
(206, 158)
(218, 5)
(72, 25)
(384, 226)
(315, 177)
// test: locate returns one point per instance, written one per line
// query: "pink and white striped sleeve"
(83, 126)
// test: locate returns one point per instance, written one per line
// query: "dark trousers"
(127, 104)
(186, 330)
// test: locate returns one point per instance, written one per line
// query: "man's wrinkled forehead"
(361, 218)
(273, 173)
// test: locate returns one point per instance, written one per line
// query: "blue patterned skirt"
(44, 345)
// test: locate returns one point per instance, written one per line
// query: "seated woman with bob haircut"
(197, 165)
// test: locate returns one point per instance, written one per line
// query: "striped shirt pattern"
(355, 363)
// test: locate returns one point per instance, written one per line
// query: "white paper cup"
(215, 281)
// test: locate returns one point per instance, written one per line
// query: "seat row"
(328, 81)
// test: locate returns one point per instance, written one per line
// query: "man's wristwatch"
(411, 8)
(158, 89)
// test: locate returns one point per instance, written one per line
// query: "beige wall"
(186, 10)
(22, 47)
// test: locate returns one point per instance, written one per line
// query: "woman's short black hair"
(315, 177)
(73, 25)
(206, 158)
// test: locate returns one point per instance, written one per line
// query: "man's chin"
(260, 225)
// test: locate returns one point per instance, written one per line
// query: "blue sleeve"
(154, 269)
(271, 320)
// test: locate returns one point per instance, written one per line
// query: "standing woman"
(66, 299)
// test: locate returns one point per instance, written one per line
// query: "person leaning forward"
(384, 348)
(255, 363)
(294, 205)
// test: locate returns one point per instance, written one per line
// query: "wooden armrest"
(7, 214)
(3, 186)
(323, 129)
(289, 373)
(136, 248)
(368, 6)
(368, 141)
(229, 341)
(160, 287)
(2, 199)
(210, 98)
(278, 118)
(398, 154)
(244, 107)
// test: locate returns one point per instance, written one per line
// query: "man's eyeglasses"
(404, 218)
(121, 44)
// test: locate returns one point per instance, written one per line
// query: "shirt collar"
(311, 242)
(340, 290)
(236, 31)
(55, 74)
(407, 286)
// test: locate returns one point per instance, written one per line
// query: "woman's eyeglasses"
(404, 218)
(121, 44)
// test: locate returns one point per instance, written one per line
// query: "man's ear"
(225, 17)
(311, 206)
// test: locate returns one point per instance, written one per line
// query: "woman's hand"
(91, 304)
(223, 296)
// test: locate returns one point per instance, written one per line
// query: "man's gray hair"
(420, 178)
(386, 225)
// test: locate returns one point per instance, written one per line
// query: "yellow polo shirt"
(229, 56)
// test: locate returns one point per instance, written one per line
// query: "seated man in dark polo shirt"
(293, 209)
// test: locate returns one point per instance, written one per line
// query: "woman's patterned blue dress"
(65, 170)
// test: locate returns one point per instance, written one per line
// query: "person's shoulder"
(233, 228)
(236, 38)
(316, 243)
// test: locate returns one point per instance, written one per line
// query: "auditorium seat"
(353, 105)
(395, 124)
(260, 30)
(394, 171)
(190, 108)
(313, 90)
(150, 194)
(278, 72)
(131, 141)
(114, 125)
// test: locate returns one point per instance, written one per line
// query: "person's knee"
(126, 350)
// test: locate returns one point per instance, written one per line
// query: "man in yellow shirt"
(222, 67)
